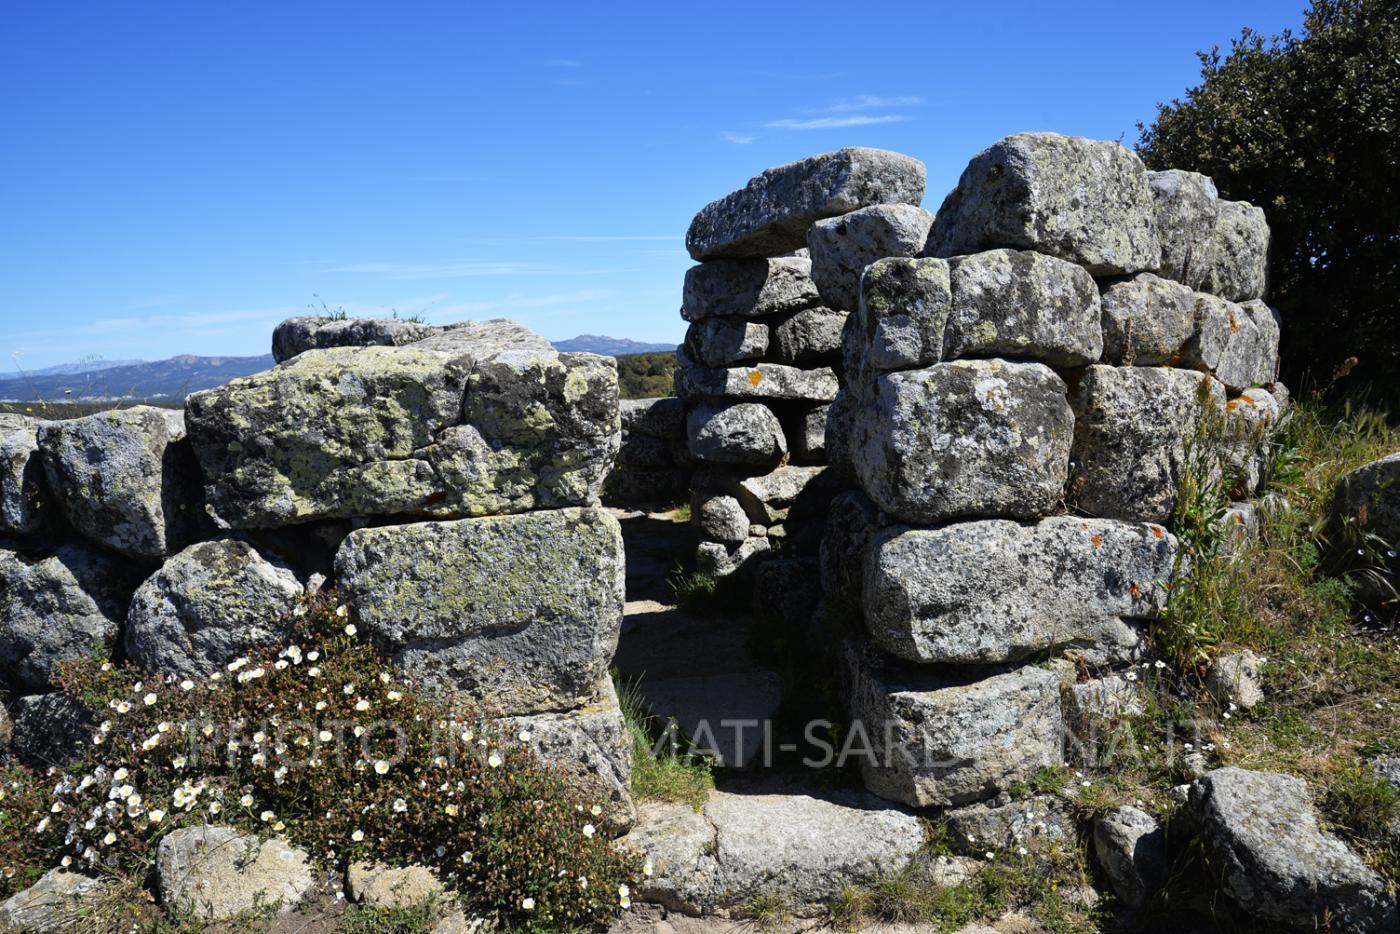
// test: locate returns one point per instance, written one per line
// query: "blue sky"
(176, 178)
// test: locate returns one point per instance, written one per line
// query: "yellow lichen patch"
(1097, 540)
(755, 377)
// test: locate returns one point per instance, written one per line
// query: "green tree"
(1305, 126)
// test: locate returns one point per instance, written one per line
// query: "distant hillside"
(171, 379)
(89, 365)
(609, 346)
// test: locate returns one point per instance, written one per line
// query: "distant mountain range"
(156, 380)
(609, 346)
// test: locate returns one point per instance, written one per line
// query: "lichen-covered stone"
(1238, 344)
(452, 426)
(1260, 831)
(1186, 207)
(1146, 320)
(1245, 451)
(518, 614)
(56, 606)
(592, 746)
(851, 522)
(318, 332)
(997, 591)
(1236, 678)
(51, 729)
(768, 498)
(726, 341)
(720, 518)
(808, 338)
(23, 492)
(978, 828)
(745, 433)
(1024, 305)
(1369, 498)
(770, 215)
(904, 308)
(1132, 849)
(663, 417)
(807, 435)
(760, 381)
(382, 886)
(720, 561)
(939, 740)
(1133, 430)
(1098, 702)
(125, 479)
(748, 288)
(1086, 201)
(208, 605)
(55, 903)
(1239, 270)
(968, 438)
(841, 247)
(217, 873)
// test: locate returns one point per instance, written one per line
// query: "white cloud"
(738, 139)
(870, 102)
(466, 269)
(836, 123)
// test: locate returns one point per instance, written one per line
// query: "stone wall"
(654, 463)
(444, 479)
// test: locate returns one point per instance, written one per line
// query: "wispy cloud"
(836, 123)
(562, 63)
(469, 269)
(869, 102)
(738, 139)
(516, 301)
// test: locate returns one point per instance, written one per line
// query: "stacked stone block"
(654, 462)
(1021, 404)
(445, 479)
(779, 273)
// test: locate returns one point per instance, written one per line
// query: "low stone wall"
(654, 463)
(445, 480)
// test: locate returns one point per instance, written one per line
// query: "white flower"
(150, 700)
(468, 736)
(1159, 664)
(589, 830)
(342, 611)
(362, 705)
(400, 805)
(236, 664)
(120, 774)
(43, 825)
(623, 891)
(1131, 676)
(246, 801)
(450, 810)
(122, 706)
(187, 685)
(350, 629)
(524, 736)
(382, 767)
(215, 807)
(648, 869)
(357, 836)
(267, 817)
(624, 902)
(494, 761)
(315, 672)
(348, 689)
(467, 856)
(596, 810)
(528, 904)
(109, 839)
(156, 816)
(178, 762)
(324, 736)
(393, 695)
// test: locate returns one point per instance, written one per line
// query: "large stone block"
(1186, 208)
(23, 491)
(1369, 497)
(125, 479)
(748, 288)
(1086, 201)
(208, 605)
(726, 341)
(841, 247)
(1245, 450)
(940, 741)
(1239, 270)
(904, 308)
(318, 332)
(851, 522)
(216, 873)
(808, 338)
(1147, 320)
(1238, 344)
(745, 433)
(761, 381)
(771, 214)
(452, 426)
(518, 614)
(659, 418)
(996, 591)
(969, 438)
(57, 606)
(1133, 430)
(1025, 305)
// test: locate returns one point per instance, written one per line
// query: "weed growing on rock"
(658, 772)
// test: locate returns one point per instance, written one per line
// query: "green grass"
(658, 774)
(411, 919)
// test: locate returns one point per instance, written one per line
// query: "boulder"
(318, 332)
(808, 338)
(721, 518)
(23, 494)
(54, 903)
(803, 847)
(657, 418)
(215, 873)
(1239, 270)
(1086, 201)
(904, 308)
(748, 288)
(591, 746)
(965, 439)
(1134, 428)
(125, 478)
(1236, 678)
(1241, 525)
(996, 591)
(931, 738)
(1369, 498)
(1186, 207)
(56, 606)
(50, 729)
(841, 247)
(768, 498)
(644, 451)
(208, 605)
(1132, 849)
(520, 614)
(1024, 305)
(1260, 832)
(1237, 343)
(977, 829)
(381, 886)
(720, 561)
(770, 215)
(807, 435)
(371, 431)
(760, 381)
(1146, 320)
(852, 521)
(745, 433)
(1245, 452)
(726, 341)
